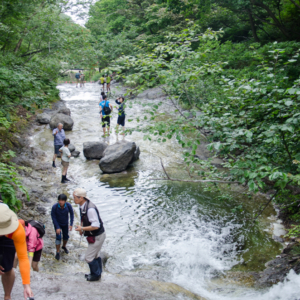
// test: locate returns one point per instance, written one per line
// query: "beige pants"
(93, 250)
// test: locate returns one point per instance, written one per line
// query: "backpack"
(40, 227)
(77, 75)
(106, 109)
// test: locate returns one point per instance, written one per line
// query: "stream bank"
(144, 250)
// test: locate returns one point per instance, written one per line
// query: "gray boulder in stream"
(117, 157)
(94, 150)
(66, 120)
(43, 118)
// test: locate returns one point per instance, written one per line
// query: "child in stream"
(34, 243)
(65, 160)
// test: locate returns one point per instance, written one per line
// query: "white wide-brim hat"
(8, 220)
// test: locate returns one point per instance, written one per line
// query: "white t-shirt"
(65, 153)
(92, 215)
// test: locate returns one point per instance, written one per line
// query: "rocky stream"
(165, 240)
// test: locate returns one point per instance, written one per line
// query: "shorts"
(7, 253)
(65, 163)
(65, 234)
(121, 120)
(77, 80)
(37, 255)
(105, 121)
(56, 149)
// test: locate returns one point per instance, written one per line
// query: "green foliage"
(10, 182)
(292, 233)
(37, 43)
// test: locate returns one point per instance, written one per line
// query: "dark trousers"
(64, 234)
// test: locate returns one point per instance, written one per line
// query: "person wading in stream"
(12, 240)
(108, 80)
(59, 136)
(121, 114)
(60, 218)
(92, 228)
(105, 111)
(65, 160)
(34, 243)
(102, 81)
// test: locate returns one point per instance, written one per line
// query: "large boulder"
(43, 118)
(61, 118)
(75, 153)
(94, 150)
(151, 94)
(65, 111)
(117, 157)
(58, 105)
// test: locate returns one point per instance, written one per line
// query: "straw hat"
(8, 220)
(79, 192)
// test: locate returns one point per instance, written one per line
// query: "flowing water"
(167, 231)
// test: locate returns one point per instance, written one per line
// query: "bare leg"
(35, 266)
(117, 129)
(107, 130)
(123, 130)
(57, 248)
(65, 243)
(65, 169)
(54, 157)
(104, 129)
(8, 280)
(16, 261)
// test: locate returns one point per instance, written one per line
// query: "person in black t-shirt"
(121, 113)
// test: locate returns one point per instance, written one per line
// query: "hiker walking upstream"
(121, 114)
(59, 136)
(65, 160)
(60, 218)
(105, 111)
(102, 81)
(82, 80)
(108, 81)
(13, 240)
(34, 243)
(77, 76)
(92, 228)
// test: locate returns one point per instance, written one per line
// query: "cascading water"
(165, 231)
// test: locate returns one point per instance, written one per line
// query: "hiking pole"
(80, 240)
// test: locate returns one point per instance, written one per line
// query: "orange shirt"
(19, 238)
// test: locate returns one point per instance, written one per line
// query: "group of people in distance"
(105, 80)
(22, 241)
(79, 79)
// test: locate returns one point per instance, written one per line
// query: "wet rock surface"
(278, 268)
(110, 287)
(66, 120)
(117, 157)
(43, 118)
(152, 94)
(94, 150)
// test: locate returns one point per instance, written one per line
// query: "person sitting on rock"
(105, 111)
(34, 243)
(92, 228)
(60, 218)
(65, 160)
(59, 136)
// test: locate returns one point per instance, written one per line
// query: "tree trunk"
(253, 27)
(272, 15)
(295, 3)
(18, 45)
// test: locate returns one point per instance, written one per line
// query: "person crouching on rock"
(59, 136)
(92, 228)
(65, 160)
(60, 218)
(35, 245)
